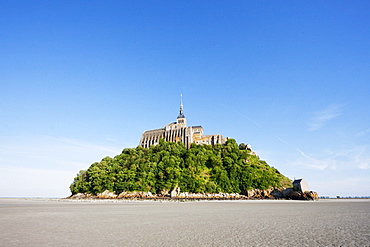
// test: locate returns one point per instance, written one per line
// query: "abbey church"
(179, 131)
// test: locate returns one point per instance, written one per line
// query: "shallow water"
(42, 222)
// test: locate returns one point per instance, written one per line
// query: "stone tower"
(181, 120)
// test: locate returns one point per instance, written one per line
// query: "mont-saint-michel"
(179, 132)
(180, 162)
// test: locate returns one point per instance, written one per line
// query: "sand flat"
(45, 222)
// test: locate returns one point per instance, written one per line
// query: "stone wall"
(186, 135)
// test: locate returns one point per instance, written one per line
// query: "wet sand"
(45, 222)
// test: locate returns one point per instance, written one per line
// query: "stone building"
(300, 185)
(179, 131)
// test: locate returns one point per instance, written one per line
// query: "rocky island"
(180, 162)
(171, 171)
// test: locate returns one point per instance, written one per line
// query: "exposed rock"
(290, 193)
(277, 194)
(311, 195)
(80, 196)
(266, 193)
(296, 195)
(258, 194)
(287, 192)
(106, 195)
(164, 193)
(147, 195)
(182, 195)
(271, 193)
(122, 195)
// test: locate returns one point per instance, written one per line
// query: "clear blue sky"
(82, 80)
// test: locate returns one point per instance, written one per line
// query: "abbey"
(179, 131)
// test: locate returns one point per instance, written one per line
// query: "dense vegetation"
(201, 168)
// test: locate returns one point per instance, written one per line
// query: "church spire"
(181, 114)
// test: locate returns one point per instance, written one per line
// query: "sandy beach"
(52, 222)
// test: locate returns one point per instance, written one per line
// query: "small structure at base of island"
(300, 185)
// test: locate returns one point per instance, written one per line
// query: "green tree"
(201, 168)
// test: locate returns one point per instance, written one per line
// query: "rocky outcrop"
(164, 193)
(81, 196)
(277, 194)
(311, 195)
(136, 195)
(292, 194)
(259, 194)
(254, 194)
(106, 195)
